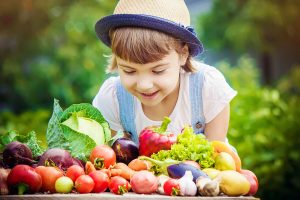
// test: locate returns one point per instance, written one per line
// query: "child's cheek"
(128, 81)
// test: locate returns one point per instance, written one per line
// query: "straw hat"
(168, 16)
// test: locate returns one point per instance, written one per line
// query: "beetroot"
(17, 153)
(57, 157)
(144, 182)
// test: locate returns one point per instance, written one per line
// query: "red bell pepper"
(153, 139)
(23, 179)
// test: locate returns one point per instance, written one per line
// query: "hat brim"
(103, 26)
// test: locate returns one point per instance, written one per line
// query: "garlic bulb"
(207, 187)
(187, 185)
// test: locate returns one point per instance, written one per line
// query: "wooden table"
(110, 196)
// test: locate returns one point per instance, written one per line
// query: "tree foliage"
(264, 128)
(52, 51)
(267, 29)
(251, 24)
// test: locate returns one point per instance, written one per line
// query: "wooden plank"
(110, 196)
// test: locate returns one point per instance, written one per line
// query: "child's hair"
(141, 45)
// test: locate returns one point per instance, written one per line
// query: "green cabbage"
(78, 129)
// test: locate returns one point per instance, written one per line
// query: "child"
(152, 46)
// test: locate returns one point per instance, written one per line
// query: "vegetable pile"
(83, 158)
(189, 146)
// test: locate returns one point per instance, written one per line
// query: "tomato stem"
(122, 189)
(175, 191)
(99, 163)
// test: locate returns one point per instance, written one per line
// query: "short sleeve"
(216, 93)
(106, 101)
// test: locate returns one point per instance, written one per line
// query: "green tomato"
(64, 185)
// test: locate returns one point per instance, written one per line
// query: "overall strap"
(198, 122)
(195, 87)
(126, 111)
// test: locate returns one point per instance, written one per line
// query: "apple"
(251, 177)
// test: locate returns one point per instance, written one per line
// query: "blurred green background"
(48, 49)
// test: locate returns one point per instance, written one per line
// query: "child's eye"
(128, 72)
(158, 72)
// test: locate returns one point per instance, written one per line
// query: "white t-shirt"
(216, 94)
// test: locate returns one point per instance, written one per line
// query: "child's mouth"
(149, 95)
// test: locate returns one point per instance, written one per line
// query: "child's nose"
(144, 84)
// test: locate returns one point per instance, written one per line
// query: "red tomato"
(84, 184)
(172, 187)
(74, 172)
(101, 181)
(103, 156)
(119, 185)
(49, 176)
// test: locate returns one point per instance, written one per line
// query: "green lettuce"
(189, 146)
(79, 128)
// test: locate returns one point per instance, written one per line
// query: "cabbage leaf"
(78, 129)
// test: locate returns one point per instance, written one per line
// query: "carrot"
(121, 169)
(89, 167)
(106, 171)
(139, 165)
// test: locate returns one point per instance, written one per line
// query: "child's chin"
(150, 102)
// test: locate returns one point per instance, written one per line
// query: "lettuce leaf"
(78, 129)
(189, 146)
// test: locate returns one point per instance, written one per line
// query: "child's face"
(151, 83)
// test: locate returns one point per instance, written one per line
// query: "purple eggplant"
(126, 150)
(178, 171)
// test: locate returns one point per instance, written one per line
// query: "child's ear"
(184, 55)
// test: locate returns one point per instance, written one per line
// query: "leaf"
(80, 145)
(33, 144)
(89, 111)
(60, 135)
(55, 137)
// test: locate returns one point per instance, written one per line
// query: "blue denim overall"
(127, 111)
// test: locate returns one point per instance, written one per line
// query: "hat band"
(189, 28)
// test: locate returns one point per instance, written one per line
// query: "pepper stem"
(164, 125)
(22, 187)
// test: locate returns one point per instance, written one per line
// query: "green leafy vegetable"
(189, 146)
(78, 129)
(158, 166)
(29, 139)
